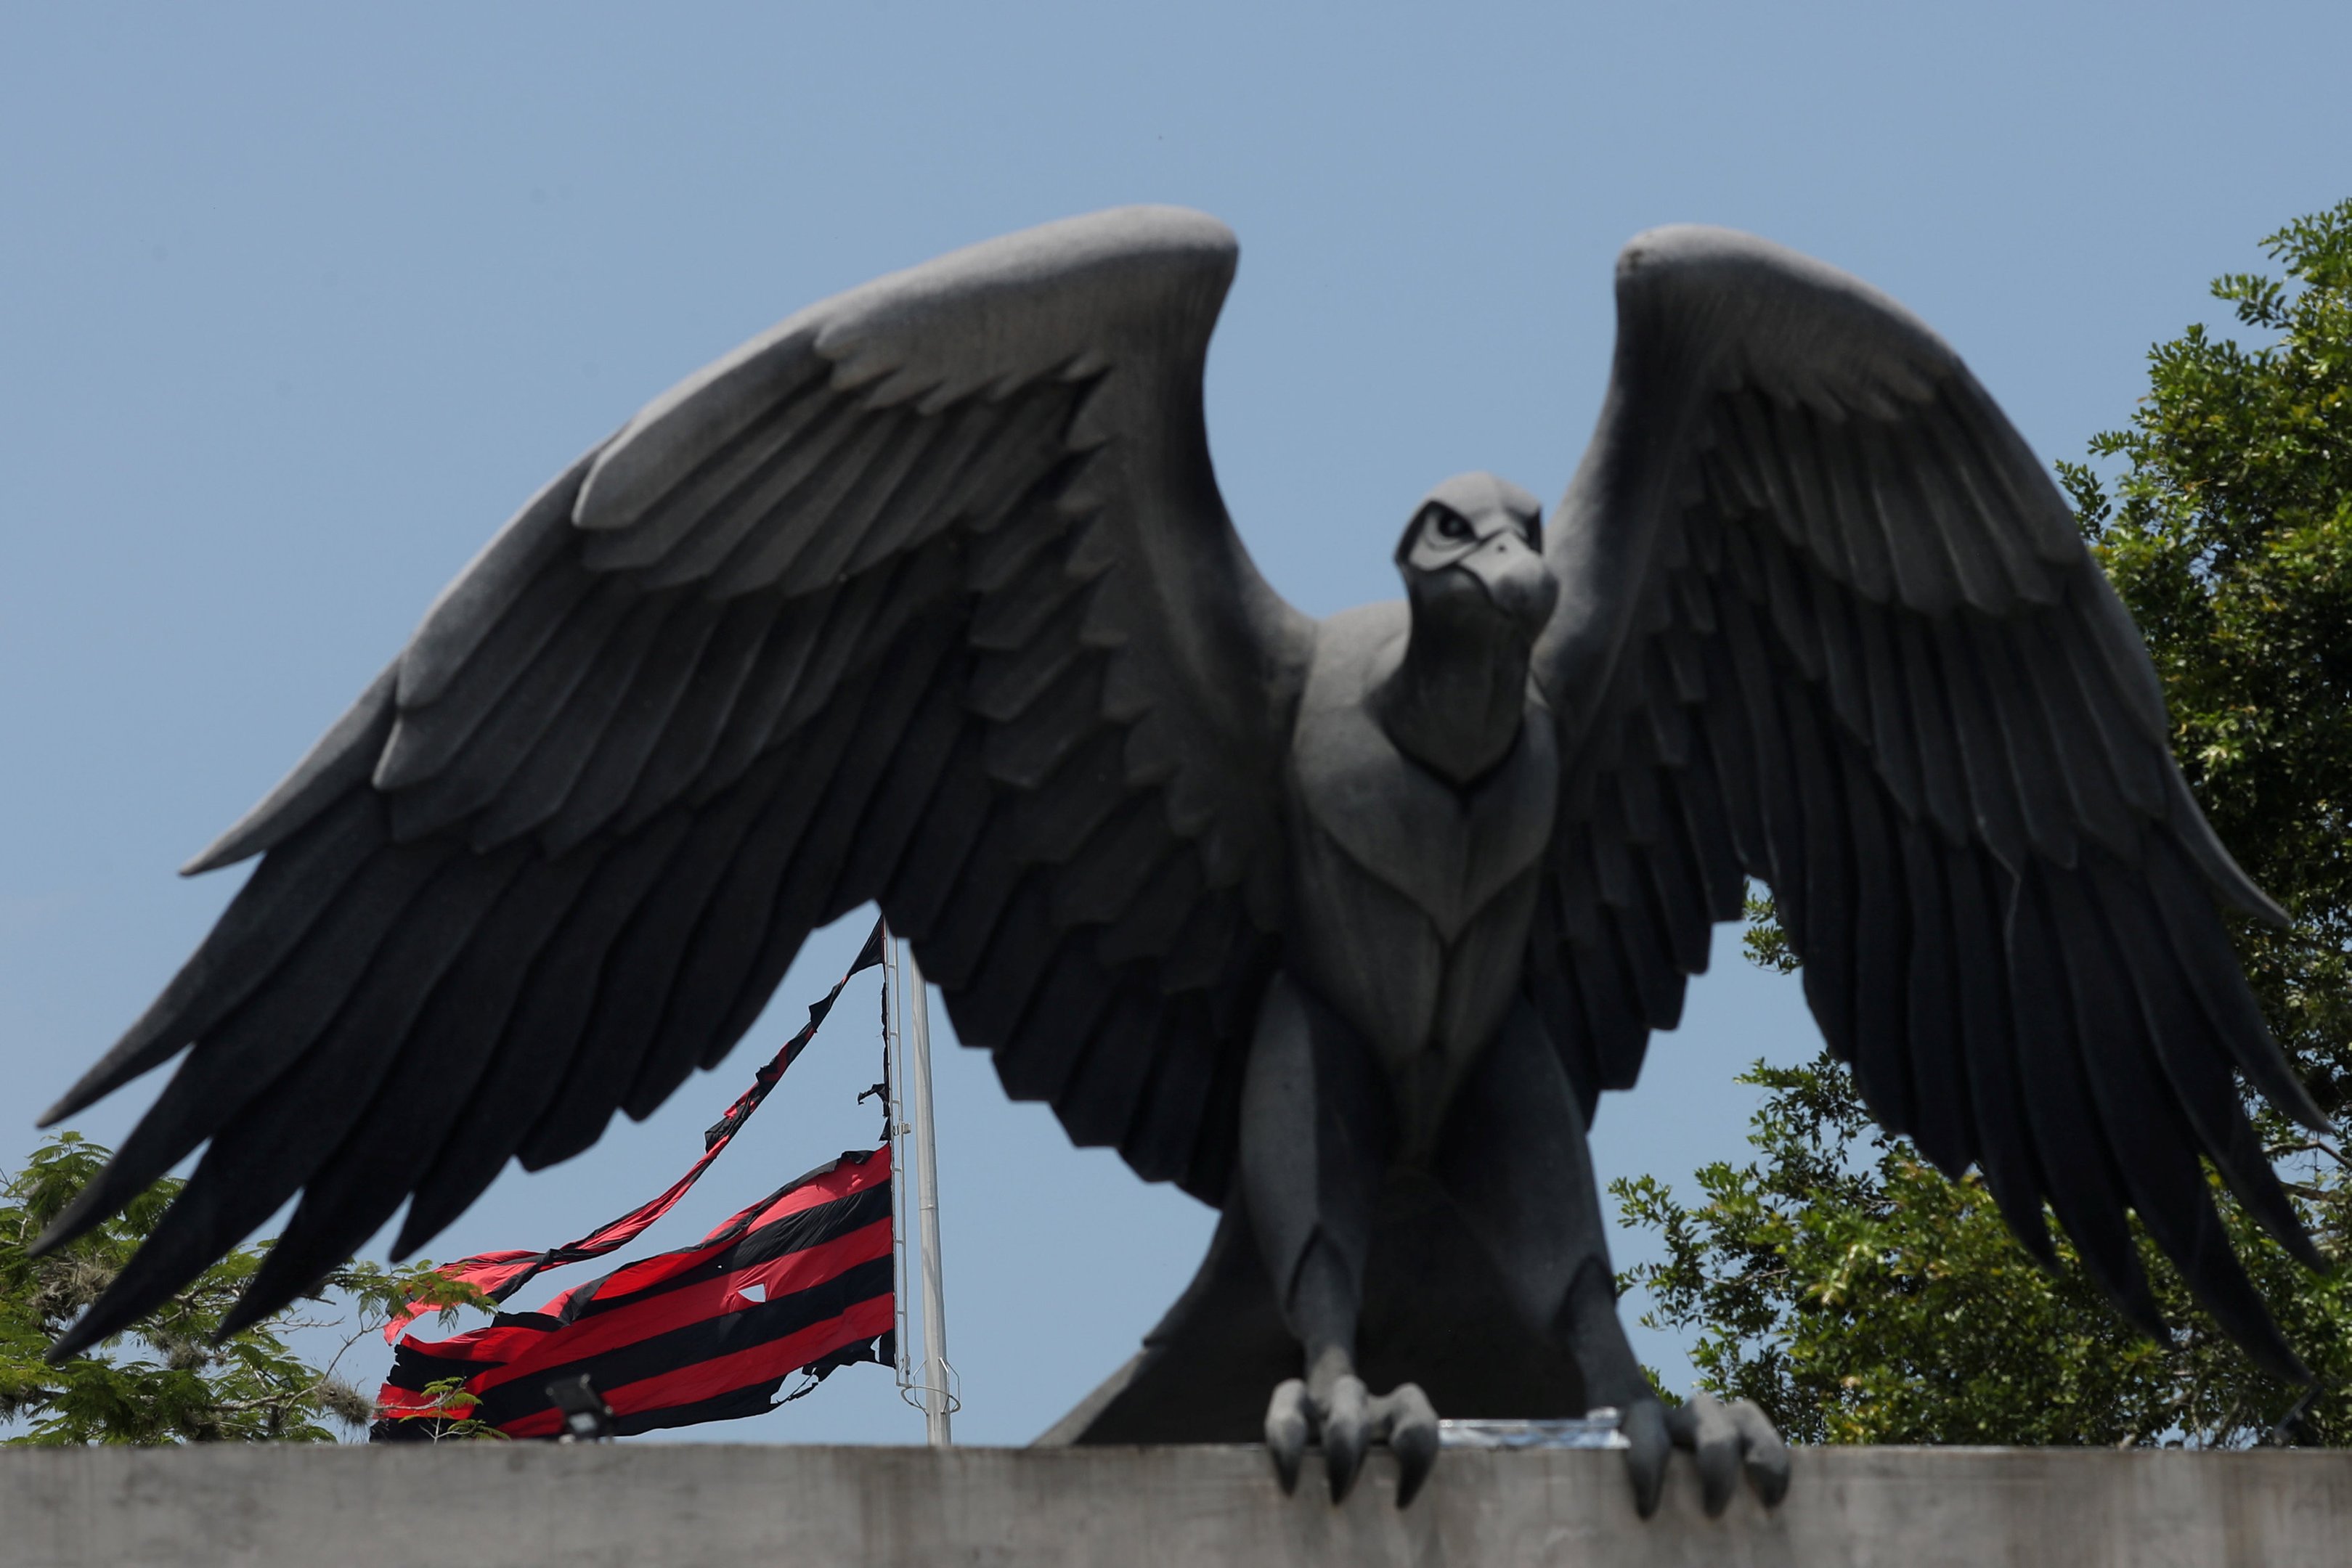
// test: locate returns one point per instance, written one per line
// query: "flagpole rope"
(894, 1012)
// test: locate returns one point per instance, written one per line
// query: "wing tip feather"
(344, 756)
(140, 1051)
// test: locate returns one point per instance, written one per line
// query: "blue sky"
(297, 305)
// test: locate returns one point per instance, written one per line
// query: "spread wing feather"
(1826, 622)
(926, 596)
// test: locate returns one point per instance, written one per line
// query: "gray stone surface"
(718, 1506)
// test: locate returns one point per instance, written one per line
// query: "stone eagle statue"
(926, 597)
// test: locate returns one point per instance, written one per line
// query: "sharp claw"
(1767, 1456)
(1347, 1429)
(1412, 1421)
(1286, 1425)
(1717, 1453)
(1649, 1440)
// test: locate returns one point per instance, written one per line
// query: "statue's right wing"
(1826, 622)
(926, 596)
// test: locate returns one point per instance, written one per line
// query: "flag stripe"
(790, 1230)
(702, 1359)
(718, 1307)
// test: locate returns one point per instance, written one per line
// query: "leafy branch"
(172, 1378)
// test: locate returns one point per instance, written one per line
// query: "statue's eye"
(1450, 526)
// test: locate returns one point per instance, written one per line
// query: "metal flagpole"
(939, 1401)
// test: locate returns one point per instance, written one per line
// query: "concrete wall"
(717, 1506)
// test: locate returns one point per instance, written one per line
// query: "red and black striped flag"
(799, 1280)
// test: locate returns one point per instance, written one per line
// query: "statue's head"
(1474, 547)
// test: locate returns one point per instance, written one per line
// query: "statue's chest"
(1447, 850)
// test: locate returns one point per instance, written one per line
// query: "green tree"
(1858, 1294)
(169, 1380)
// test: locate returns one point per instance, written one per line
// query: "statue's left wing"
(1826, 621)
(925, 597)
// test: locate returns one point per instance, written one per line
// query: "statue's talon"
(1648, 1444)
(1348, 1422)
(1289, 1421)
(1724, 1440)
(1346, 1433)
(1411, 1421)
(1767, 1460)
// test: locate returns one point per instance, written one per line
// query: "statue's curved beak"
(1514, 577)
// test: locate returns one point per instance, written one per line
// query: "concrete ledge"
(715, 1506)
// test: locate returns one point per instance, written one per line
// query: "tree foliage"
(170, 1380)
(1861, 1296)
